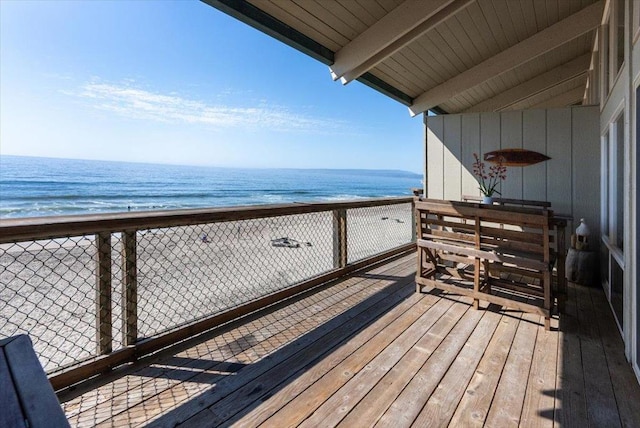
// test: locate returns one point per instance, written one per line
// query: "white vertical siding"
(471, 138)
(489, 134)
(585, 158)
(451, 157)
(534, 137)
(511, 138)
(559, 168)
(435, 164)
(569, 136)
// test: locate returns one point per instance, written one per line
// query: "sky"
(182, 83)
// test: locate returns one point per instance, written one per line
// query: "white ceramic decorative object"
(582, 236)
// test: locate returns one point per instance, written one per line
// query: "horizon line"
(217, 166)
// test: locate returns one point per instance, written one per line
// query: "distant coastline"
(35, 186)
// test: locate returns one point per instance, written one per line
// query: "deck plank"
(538, 409)
(368, 351)
(442, 404)
(209, 356)
(176, 404)
(601, 402)
(619, 368)
(506, 406)
(314, 373)
(571, 404)
(340, 403)
(307, 402)
(367, 411)
(410, 402)
(205, 358)
(136, 378)
(475, 404)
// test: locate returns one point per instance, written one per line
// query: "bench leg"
(547, 298)
(476, 281)
(487, 276)
(547, 323)
(419, 271)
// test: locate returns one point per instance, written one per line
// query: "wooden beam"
(129, 288)
(252, 15)
(534, 86)
(565, 99)
(543, 97)
(339, 238)
(544, 41)
(395, 30)
(103, 294)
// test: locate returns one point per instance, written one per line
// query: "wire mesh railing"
(88, 286)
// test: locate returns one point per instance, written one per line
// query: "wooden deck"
(370, 351)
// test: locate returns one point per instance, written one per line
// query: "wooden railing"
(50, 250)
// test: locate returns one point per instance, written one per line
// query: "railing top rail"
(32, 228)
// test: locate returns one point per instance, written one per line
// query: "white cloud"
(131, 101)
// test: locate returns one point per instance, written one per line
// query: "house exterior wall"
(569, 136)
(633, 259)
(593, 172)
(619, 99)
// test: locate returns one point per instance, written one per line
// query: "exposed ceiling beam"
(568, 98)
(257, 18)
(542, 97)
(391, 33)
(536, 85)
(551, 37)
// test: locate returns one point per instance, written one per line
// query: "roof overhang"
(442, 55)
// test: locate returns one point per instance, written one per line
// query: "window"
(612, 256)
(637, 211)
(604, 268)
(635, 8)
(619, 36)
(617, 291)
(618, 183)
(637, 261)
(604, 76)
(605, 185)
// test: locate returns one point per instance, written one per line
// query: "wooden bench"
(26, 396)
(500, 254)
(558, 238)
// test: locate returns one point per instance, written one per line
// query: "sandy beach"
(184, 274)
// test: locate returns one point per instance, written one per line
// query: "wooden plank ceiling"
(450, 56)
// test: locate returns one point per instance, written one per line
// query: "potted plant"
(489, 181)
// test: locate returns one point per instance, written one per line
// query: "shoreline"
(137, 208)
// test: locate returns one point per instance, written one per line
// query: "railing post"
(414, 219)
(339, 238)
(129, 288)
(103, 293)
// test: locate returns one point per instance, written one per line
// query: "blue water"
(31, 186)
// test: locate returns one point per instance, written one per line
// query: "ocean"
(33, 187)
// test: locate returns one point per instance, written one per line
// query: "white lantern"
(582, 236)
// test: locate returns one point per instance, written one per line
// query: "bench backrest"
(466, 228)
